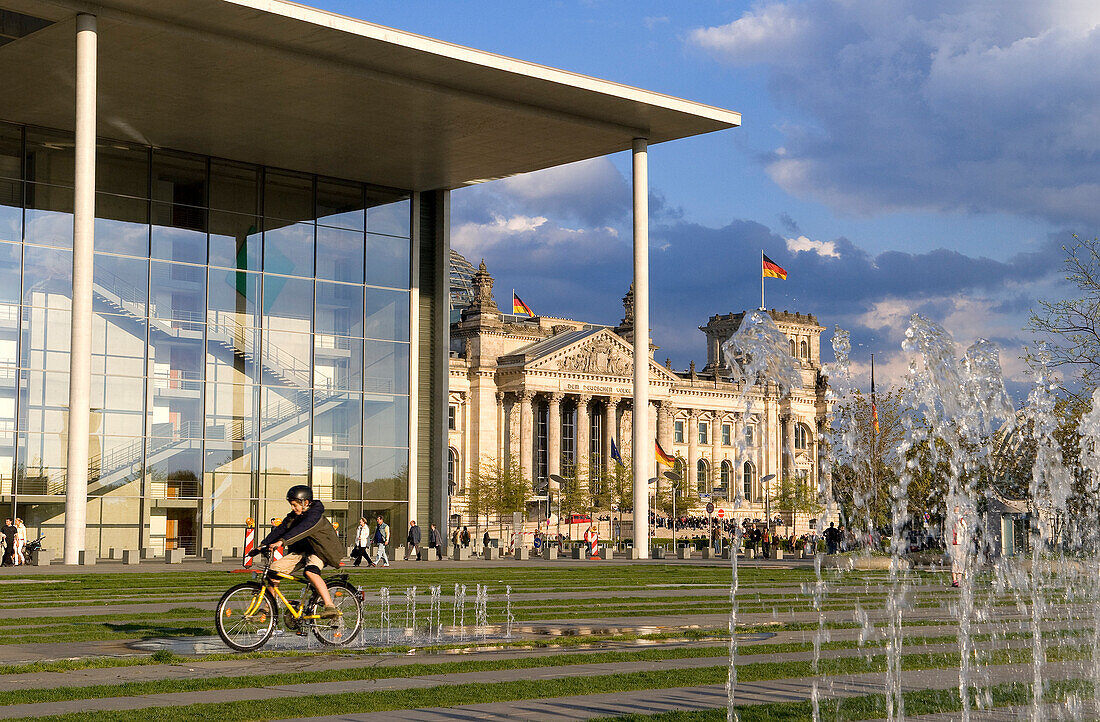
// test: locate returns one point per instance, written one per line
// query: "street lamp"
(674, 478)
(767, 501)
(652, 482)
(556, 484)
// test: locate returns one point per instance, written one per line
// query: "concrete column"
(80, 349)
(584, 424)
(644, 461)
(693, 447)
(511, 449)
(610, 432)
(526, 434)
(715, 450)
(553, 435)
(500, 428)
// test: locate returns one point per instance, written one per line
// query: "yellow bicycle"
(247, 614)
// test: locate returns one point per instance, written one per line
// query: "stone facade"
(549, 391)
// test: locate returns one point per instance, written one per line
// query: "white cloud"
(821, 248)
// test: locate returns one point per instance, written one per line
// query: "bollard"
(490, 552)
(683, 552)
(86, 558)
(579, 553)
(521, 554)
(173, 556)
(131, 556)
(212, 556)
(550, 552)
(41, 558)
(657, 553)
(607, 553)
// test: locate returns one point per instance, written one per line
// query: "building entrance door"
(179, 531)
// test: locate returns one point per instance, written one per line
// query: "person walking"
(832, 538)
(8, 532)
(464, 537)
(381, 539)
(20, 542)
(435, 541)
(362, 543)
(412, 541)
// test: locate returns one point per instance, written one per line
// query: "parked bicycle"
(248, 613)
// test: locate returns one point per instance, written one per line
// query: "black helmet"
(301, 492)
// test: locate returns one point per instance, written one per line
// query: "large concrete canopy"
(277, 83)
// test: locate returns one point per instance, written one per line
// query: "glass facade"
(250, 332)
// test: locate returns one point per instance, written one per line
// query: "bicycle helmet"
(301, 492)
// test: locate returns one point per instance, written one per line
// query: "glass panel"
(234, 187)
(178, 292)
(10, 260)
(114, 422)
(284, 415)
(387, 314)
(44, 342)
(288, 303)
(340, 204)
(388, 212)
(174, 469)
(40, 464)
(337, 363)
(339, 254)
(289, 460)
(179, 179)
(175, 408)
(235, 241)
(385, 473)
(9, 350)
(234, 299)
(288, 196)
(122, 169)
(44, 403)
(47, 277)
(7, 458)
(176, 362)
(230, 354)
(49, 215)
(120, 284)
(386, 420)
(288, 248)
(285, 359)
(336, 472)
(336, 419)
(178, 233)
(11, 156)
(231, 457)
(118, 394)
(114, 465)
(50, 157)
(386, 368)
(118, 348)
(387, 261)
(339, 309)
(231, 412)
(122, 225)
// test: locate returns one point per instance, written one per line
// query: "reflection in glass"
(288, 303)
(122, 169)
(7, 457)
(234, 187)
(389, 212)
(340, 204)
(230, 354)
(47, 276)
(339, 309)
(179, 179)
(178, 292)
(288, 196)
(386, 367)
(339, 255)
(122, 225)
(388, 261)
(385, 420)
(44, 402)
(118, 347)
(336, 419)
(337, 363)
(44, 341)
(387, 314)
(175, 409)
(234, 299)
(10, 260)
(291, 460)
(288, 248)
(336, 472)
(285, 415)
(178, 233)
(50, 157)
(48, 218)
(235, 241)
(118, 394)
(40, 464)
(285, 359)
(231, 412)
(385, 473)
(119, 284)
(174, 469)
(11, 210)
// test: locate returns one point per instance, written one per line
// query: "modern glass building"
(224, 256)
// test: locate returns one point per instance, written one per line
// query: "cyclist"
(310, 542)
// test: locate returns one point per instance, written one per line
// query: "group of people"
(379, 538)
(15, 542)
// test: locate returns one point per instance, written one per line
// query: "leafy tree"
(481, 492)
(1071, 327)
(861, 485)
(573, 496)
(620, 483)
(795, 495)
(497, 489)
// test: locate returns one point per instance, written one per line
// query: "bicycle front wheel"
(343, 629)
(246, 617)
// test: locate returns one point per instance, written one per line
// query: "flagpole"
(874, 433)
(762, 306)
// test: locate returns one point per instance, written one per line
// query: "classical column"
(80, 348)
(715, 450)
(609, 431)
(526, 433)
(693, 447)
(553, 434)
(644, 463)
(584, 424)
(512, 451)
(500, 427)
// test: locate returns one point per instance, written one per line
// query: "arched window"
(453, 480)
(801, 437)
(701, 476)
(792, 348)
(805, 350)
(727, 475)
(750, 480)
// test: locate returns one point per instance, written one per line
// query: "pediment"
(601, 354)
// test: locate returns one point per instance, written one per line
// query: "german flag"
(771, 269)
(519, 307)
(663, 459)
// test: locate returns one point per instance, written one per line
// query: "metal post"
(80, 349)
(643, 460)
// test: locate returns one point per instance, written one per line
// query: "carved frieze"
(599, 356)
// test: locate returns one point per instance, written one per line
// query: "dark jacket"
(434, 539)
(414, 535)
(310, 533)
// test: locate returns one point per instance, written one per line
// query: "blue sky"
(896, 156)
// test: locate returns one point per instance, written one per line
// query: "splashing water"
(509, 618)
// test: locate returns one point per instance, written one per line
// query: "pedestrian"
(485, 540)
(591, 539)
(412, 541)
(832, 538)
(20, 542)
(455, 538)
(464, 537)
(361, 549)
(435, 541)
(381, 539)
(8, 532)
(958, 547)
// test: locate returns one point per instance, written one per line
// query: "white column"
(583, 437)
(414, 373)
(610, 432)
(644, 459)
(553, 435)
(80, 349)
(526, 434)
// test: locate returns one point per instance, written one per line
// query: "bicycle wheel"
(246, 616)
(343, 629)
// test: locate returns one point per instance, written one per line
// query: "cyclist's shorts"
(293, 561)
